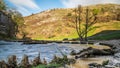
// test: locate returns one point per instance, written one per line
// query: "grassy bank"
(106, 35)
(105, 31)
(47, 66)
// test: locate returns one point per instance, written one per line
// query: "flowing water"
(46, 51)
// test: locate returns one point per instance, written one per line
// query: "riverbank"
(104, 61)
(66, 48)
(35, 63)
(53, 41)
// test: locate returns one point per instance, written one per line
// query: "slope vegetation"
(57, 24)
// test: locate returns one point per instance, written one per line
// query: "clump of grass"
(105, 62)
(62, 61)
(47, 66)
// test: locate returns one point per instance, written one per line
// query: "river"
(46, 51)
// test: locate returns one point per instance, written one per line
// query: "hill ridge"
(56, 23)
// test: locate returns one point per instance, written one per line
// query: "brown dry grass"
(55, 24)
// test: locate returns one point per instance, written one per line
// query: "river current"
(46, 51)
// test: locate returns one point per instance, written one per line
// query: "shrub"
(105, 62)
(69, 14)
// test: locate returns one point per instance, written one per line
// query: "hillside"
(56, 24)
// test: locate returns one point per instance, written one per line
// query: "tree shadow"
(106, 35)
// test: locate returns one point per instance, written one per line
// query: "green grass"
(116, 25)
(48, 66)
(106, 35)
(58, 24)
(73, 34)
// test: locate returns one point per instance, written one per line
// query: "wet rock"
(109, 66)
(73, 52)
(54, 60)
(117, 64)
(75, 42)
(114, 44)
(117, 56)
(91, 66)
(115, 61)
(25, 62)
(35, 42)
(95, 65)
(37, 60)
(44, 61)
(12, 61)
(90, 52)
(3, 64)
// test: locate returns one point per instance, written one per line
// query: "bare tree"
(78, 21)
(85, 27)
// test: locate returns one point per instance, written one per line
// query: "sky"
(28, 7)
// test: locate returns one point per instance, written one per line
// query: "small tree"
(2, 5)
(19, 21)
(90, 19)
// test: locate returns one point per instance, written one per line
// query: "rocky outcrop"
(8, 27)
(55, 63)
(114, 44)
(91, 52)
(25, 62)
(114, 62)
(37, 60)
(12, 61)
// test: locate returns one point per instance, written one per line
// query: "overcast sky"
(27, 7)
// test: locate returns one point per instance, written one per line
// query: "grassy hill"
(56, 24)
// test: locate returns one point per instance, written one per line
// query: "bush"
(65, 39)
(69, 14)
(105, 62)
(62, 61)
